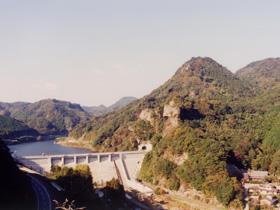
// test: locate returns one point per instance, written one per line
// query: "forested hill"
(264, 74)
(47, 116)
(11, 128)
(200, 79)
(200, 121)
(121, 103)
(204, 78)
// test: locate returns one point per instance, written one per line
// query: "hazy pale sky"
(95, 52)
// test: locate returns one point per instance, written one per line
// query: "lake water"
(47, 147)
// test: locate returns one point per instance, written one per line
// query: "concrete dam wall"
(102, 165)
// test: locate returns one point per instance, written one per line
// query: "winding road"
(44, 199)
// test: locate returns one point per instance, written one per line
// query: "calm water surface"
(47, 147)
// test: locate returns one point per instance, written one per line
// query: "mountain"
(6, 107)
(96, 110)
(19, 103)
(197, 79)
(50, 116)
(100, 110)
(264, 74)
(198, 122)
(121, 103)
(204, 78)
(47, 116)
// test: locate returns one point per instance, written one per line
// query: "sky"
(94, 52)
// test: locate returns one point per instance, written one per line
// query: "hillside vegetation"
(11, 128)
(206, 115)
(47, 116)
(50, 116)
(263, 75)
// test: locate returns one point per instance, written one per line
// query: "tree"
(114, 189)
(225, 193)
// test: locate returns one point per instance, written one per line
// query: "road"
(196, 203)
(136, 202)
(183, 199)
(44, 199)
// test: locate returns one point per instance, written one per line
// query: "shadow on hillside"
(190, 114)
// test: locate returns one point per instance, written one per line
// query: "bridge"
(103, 166)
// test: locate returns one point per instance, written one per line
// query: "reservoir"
(47, 147)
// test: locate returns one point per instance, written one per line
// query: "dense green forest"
(48, 117)
(263, 75)
(11, 128)
(208, 115)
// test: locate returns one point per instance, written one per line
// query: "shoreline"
(29, 140)
(75, 145)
